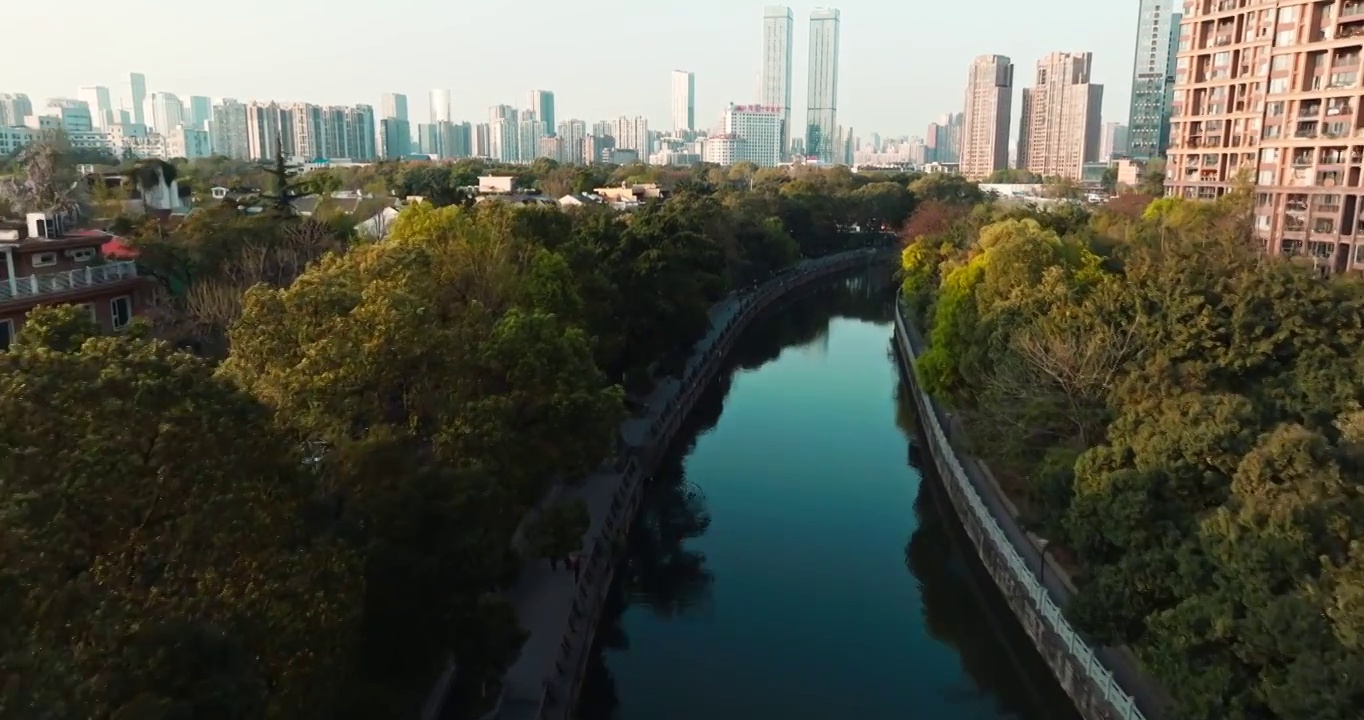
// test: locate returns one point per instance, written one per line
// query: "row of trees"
(309, 515)
(1185, 415)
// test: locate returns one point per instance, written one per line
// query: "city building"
(775, 79)
(200, 112)
(96, 97)
(14, 137)
(137, 97)
(394, 105)
(1270, 94)
(440, 106)
(46, 262)
(263, 136)
(684, 101)
(542, 104)
(188, 143)
(1113, 141)
(530, 130)
(1062, 113)
(631, 134)
(984, 143)
(1153, 78)
(758, 129)
(503, 133)
(944, 138)
(167, 111)
(821, 122)
(72, 116)
(14, 108)
(573, 132)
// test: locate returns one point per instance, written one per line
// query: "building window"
(121, 310)
(6, 333)
(44, 259)
(83, 255)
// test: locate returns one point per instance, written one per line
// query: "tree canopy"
(1181, 414)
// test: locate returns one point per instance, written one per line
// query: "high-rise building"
(1063, 111)
(984, 143)
(573, 132)
(481, 141)
(168, 112)
(774, 84)
(1153, 79)
(440, 106)
(200, 112)
(360, 133)
(503, 133)
(395, 130)
(529, 131)
(759, 128)
(821, 121)
(684, 101)
(263, 135)
(74, 115)
(542, 104)
(943, 141)
(14, 107)
(1113, 141)
(137, 97)
(309, 130)
(632, 134)
(455, 140)
(394, 106)
(1269, 93)
(228, 130)
(101, 106)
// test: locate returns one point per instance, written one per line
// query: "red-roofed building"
(45, 263)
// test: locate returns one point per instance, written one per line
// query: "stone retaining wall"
(1091, 685)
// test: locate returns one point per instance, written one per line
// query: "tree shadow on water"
(658, 571)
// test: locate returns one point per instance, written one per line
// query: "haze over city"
(901, 64)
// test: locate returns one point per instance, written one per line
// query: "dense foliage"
(1184, 415)
(294, 493)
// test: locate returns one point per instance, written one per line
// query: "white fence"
(57, 282)
(1075, 645)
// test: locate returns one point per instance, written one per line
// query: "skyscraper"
(200, 112)
(167, 112)
(1064, 124)
(774, 84)
(440, 106)
(1113, 141)
(137, 97)
(394, 106)
(684, 101)
(821, 121)
(228, 131)
(542, 104)
(984, 143)
(101, 107)
(395, 130)
(1153, 79)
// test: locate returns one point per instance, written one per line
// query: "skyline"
(898, 68)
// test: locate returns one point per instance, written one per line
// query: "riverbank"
(1104, 682)
(560, 610)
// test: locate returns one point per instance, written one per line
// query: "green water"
(789, 563)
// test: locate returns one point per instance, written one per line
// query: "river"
(789, 562)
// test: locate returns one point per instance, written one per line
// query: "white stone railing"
(1076, 645)
(59, 282)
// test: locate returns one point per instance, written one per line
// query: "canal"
(789, 562)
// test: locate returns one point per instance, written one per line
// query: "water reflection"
(664, 576)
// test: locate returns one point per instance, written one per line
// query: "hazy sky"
(903, 62)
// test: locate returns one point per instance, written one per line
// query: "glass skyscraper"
(1153, 79)
(821, 123)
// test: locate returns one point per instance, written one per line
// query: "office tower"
(168, 112)
(395, 130)
(684, 101)
(1063, 110)
(394, 105)
(75, 115)
(14, 107)
(774, 83)
(943, 141)
(101, 106)
(228, 130)
(137, 97)
(759, 129)
(200, 112)
(440, 106)
(984, 135)
(542, 104)
(1113, 141)
(503, 133)
(455, 140)
(1153, 78)
(821, 121)
(530, 130)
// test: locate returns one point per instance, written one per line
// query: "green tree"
(154, 554)
(558, 532)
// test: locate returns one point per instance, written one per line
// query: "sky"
(902, 62)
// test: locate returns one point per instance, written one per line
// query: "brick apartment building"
(46, 263)
(1268, 92)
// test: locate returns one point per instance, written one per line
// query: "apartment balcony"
(33, 286)
(1352, 9)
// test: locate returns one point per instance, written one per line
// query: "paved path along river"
(788, 561)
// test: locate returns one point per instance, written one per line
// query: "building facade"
(1063, 114)
(137, 98)
(759, 129)
(97, 98)
(440, 106)
(1269, 94)
(821, 121)
(542, 104)
(774, 84)
(985, 121)
(1153, 68)
(1113, 141)
(683, 98)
